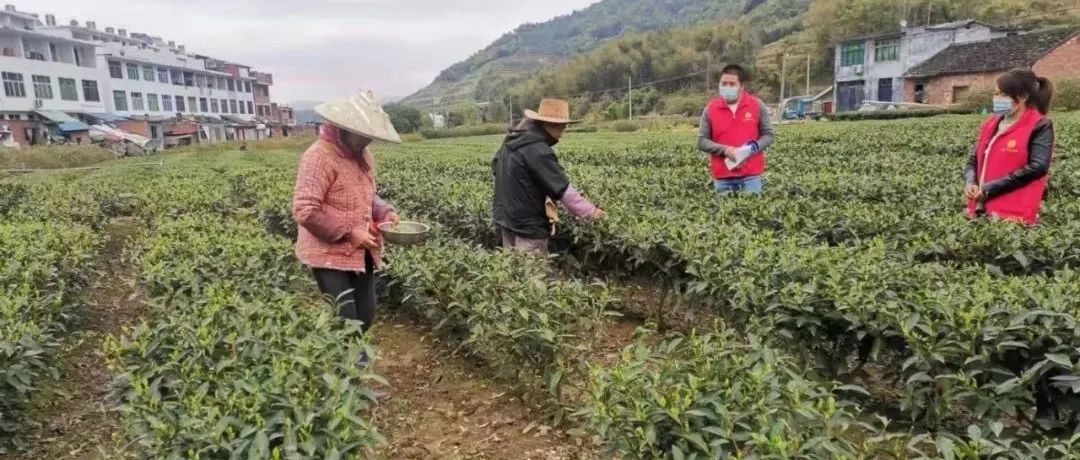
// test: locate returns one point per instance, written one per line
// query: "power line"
(443, 100)
(626, 87)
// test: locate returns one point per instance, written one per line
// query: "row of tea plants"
(860, 247)
(235, 361)
(43, 267)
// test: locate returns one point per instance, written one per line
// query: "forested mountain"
(533, 46)
(671, 61)
(759, 38)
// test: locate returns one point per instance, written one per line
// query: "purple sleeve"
(380, 209)
(577, 204)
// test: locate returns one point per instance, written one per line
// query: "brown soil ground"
(442, 407)
(73, 422)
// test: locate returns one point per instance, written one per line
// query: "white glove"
(741, 154)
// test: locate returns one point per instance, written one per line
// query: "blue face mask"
(730, 93)
(1003, 105)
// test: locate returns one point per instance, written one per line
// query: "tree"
(405, 119)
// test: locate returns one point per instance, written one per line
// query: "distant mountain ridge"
(531, 47)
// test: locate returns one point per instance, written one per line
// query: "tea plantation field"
(851, 312)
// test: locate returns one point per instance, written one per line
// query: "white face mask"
(730, 93)
(1003, 105)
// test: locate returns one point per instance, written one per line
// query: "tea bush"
(504, 308)
(1067, 94)
(232, 364)
(717, 394)
(42, 268)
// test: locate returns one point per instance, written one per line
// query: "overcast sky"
(318, 49)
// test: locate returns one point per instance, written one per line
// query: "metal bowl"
(405, 233)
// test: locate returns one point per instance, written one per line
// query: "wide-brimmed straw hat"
(361, 114)
(552, 111)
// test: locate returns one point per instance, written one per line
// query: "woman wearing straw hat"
(528, 174)
(336, 208)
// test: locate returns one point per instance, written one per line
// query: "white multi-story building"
(145, 76)
(53, 72)
(42, 72)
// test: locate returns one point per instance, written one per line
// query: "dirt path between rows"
(77, 424)
(443, 407)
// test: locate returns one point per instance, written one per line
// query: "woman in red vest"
(1008, 170)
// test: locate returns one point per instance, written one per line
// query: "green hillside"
(534, 46)
(671, 58)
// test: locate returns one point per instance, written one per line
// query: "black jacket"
(526, 174)
(1038, 164)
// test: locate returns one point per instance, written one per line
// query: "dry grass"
(298, 143)
(53, 157)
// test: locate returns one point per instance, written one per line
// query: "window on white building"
(13, 84)
(200, 81)
(137, 102)
(152, 102)
(247, 86)
(90, 91)
(232, 84)
(852, 54)
(120, 100)
(133, 71)
(177, 77)
(166, 103)
(163, 75)
(251, 108)
(116, 70)
(180, 104)
(68, 89)
(193, 104)
(232, 106)
(42, 86)
(203, 107)
(54, 54)
(214, 106)
(148, 73)
(224, 106)
(887, 50)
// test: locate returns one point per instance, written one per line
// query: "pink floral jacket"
(334, 195)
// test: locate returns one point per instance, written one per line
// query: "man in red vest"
(735, 131)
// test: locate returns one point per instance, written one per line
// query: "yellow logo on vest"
(748, 116)
(1011, 146)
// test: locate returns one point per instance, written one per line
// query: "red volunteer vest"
(1009, 153)
(736, 130)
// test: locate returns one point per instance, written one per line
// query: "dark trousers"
(354, 292)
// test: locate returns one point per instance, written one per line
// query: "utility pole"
(807, 74)
(708, 71)
(630, 95)
(783, 71)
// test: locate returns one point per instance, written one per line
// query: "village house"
(44, 77)
(61, 79)
(873, 68)
(960, 69)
